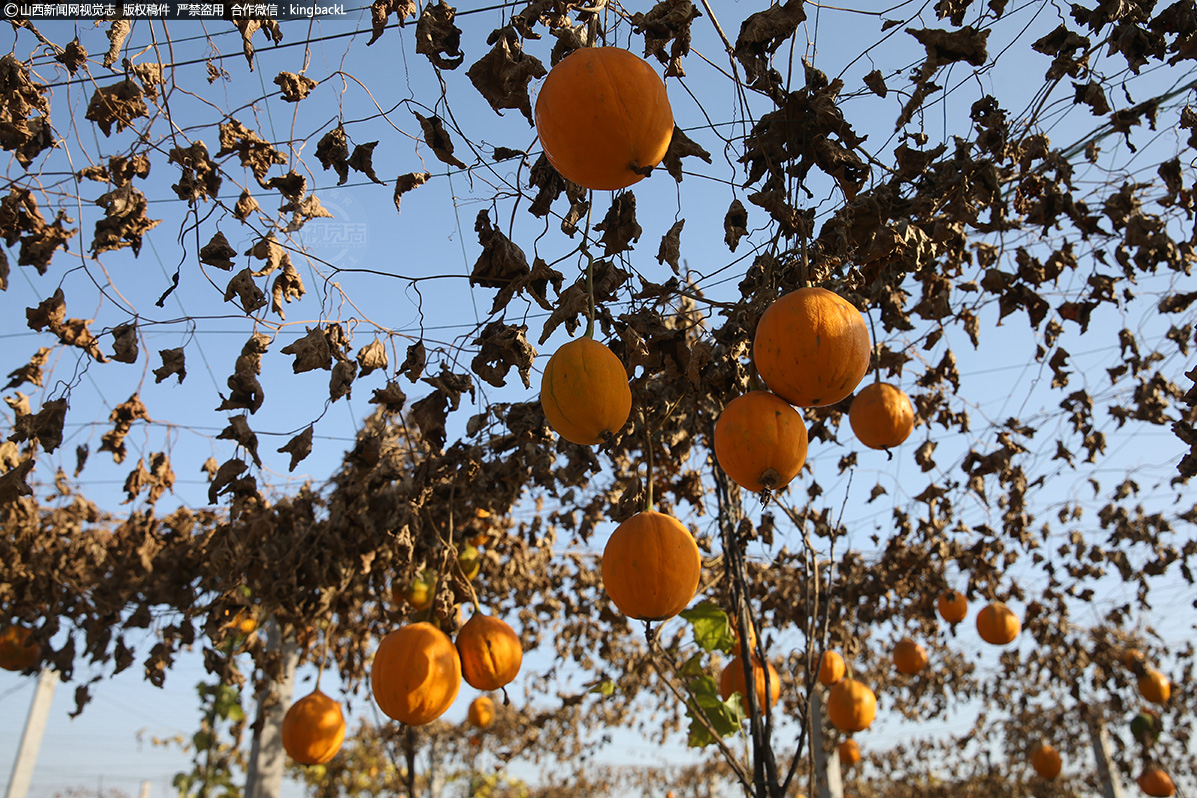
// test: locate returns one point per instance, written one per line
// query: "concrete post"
(829, 782)
(1111, 785)
(31, 738)
(267, 759)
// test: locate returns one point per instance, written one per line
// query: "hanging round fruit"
(481, 712)
(760, 441)
(997, 624)
(909, 657)
(313, 729)
(491, 653)
(849, 751)
(416, 674)
(603, 118)
(812, 347)
(851, 706)
(831, 668)
(734, 679)
(952, 606)
(651, 566)
(1154, 686)
(18, 650)
(584, 392)
(1046, 761)
(1156, 782)
(881, 416)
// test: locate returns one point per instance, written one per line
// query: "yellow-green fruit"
(584, 392)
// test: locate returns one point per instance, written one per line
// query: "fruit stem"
(648, 462)
(585, 247)
(875, 348)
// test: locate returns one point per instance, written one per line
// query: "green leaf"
(725, 717)
(604, 688)
(712, 629)
(691, 667)
(202, 740)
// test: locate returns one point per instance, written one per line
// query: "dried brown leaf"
(311, 352)
(242, 287)
(438, 38)
(298, 447)
(380, 10)
(503, 346)
(238, 430)
(124, 345)
(294, 87)
(173, 362)
(116, 104)
(372, 357)
(436, 137)
(502, 75)
(405, 183)
(682, 146)
(619, 226)
(270, 29)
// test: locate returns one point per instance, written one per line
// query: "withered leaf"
(333, 153)
(763, 32)
(4, 271)
(136, 481)
(362, 160)
(252, 150)
(224, 476)
(287, 285)
(248, 294)
(217, 252)
(341, 382)
(201, 175)
(667, 21)
(124, 345)
(670, 249)
(295, 87)
(75, 332)
(117, 32)
(536, 283)
(405, 183)
(1093, 95)
(573, 303)
(372, 357)
(122, 418)
(735, 224)
(238, 430)
(922, 455)
(124, 221)
(210, 467)
(502, 75)
(50, 313)
(381, 9)
(876, 83)
(436, 137)
(501, 260)
(311, 352)
(438, 38)
(682, 146)
(414, 362)
(619, 227)
(950, 46)
(150, 76)
(74, 55)
(119, 104)
(162, 477)
(298, 447)
(246, 205)
(269, 27)
(31, 372)
(12, 483)
(501, 347)
(25, 127)
(44, 426)
(270, 250)
(81, 453)
(390, 397)
(173, 362)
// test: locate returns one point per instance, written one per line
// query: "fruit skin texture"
(584, 392)
(851, 705)
(1046, 761)
(416, 674)
(603, 113)
(952, 606)
(18, 650)
(831, 668)
(881, 416)
(811, 347)
(735, 680)
(849, 751)
(490, 650)
(651, 566)
(313, 729)
(1155, 781)
(760, 441)
(482, 712)
(909, 657)
(1154, 686)
(997, 624)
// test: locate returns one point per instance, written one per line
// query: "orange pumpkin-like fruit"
(849, 751)
(603, 118)
(1134, 660)
(851, 706)
(584, 392)
(831, 668)
(416, 674)
(811, 347)
(997, 624)
(760, 441)
(490, 651)
(651, 566)
(1156, 782)
(18, 650)
(313, 729)
(909, 657)
(734, 679)
(881, 416)
(952, 606)
(1046, 761)
(482, 712)
(1154, 686)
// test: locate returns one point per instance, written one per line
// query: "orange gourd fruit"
(909, 657)
(603, 118)
(851, 706)
(651, 566)
(313, 729)
(584, 392)
(1134, 660)
(482, 712)
(811, 347)
(997, 624)
(849, 751)
(831, 668)
(760, 441)
(1046, 761)
(490, 650)
(1154, 686)
(734, 679)
(18, 650)
(416, 674)
(952, 606)
(881, 416)
(1156, 782)
(735, 630)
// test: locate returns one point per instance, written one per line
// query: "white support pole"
(31, 739)
(146, 786)
(267, 759)
(1111, 785)
(829, 781)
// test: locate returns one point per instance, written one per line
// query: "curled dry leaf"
(245, 389)
(436, 137)
(116, 104)
(311, 352)
(238, 430)
(122, 418)
(287, 285)
(380, 10)
(667, 21)
(502, 75)
(344, 372)
(269, 27)
(333, 152)
(298, 447)
(217, 252)
(31, 372)
(390, 398)
(682, 146)
(501, 261)
(44, 426)
(438, 38)
(619, 226)
(24, 112)
(124, 221)
(73, 55)
(414, 361)
(294, 87)
(246, 205)
(248, 294)
(224, 477)
(503, 346)
(362, 160)
(124, 345)
(735, 224)
(201, 175)
(13, 485)
(372, 357)
(762, 33)
(670, 249)
(173, 362)
(252, 150)
(876, 83)
(405, 183)
(118, 31)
